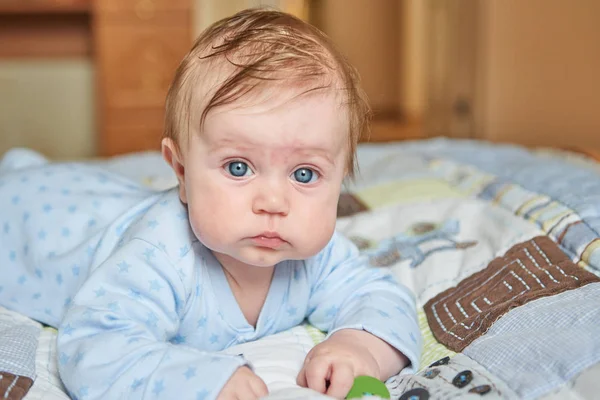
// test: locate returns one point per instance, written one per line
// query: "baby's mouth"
(268, 240)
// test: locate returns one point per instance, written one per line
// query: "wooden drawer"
(136, 65)
(160, 12)
(394, 130)
(129, 5)
(138, 46)
(44, 35)
(120, 141)
(173, 18)
(132, 118)
(44, 7)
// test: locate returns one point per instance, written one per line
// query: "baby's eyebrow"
(305, 151)
(298, 152)
(315, 152)
(231, 147)
(230, 144)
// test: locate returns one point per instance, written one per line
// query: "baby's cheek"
(205, 225)
(319, 234)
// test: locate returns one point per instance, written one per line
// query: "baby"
(146, 287)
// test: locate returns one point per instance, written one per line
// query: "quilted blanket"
(499, 244)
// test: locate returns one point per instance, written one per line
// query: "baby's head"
(262, 122)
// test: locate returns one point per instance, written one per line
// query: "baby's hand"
(331, 366)
(243, 385)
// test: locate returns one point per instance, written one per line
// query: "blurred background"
(87, 78)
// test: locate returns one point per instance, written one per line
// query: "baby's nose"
(271, 199)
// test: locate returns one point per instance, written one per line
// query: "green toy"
(368, 386)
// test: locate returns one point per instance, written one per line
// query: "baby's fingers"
(259, 388)
(316, 373)
(341, 381)
(248, 391)
(301, 378)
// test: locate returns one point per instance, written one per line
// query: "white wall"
(47, 105)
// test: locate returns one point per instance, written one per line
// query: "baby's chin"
(262, 257)
(258, 257)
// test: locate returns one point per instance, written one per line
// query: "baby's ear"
(172, 155)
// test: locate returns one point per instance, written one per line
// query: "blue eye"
(305, 175)
(238, 169)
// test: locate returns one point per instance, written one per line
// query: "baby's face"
(262, 181)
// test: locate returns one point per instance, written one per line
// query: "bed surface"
(499, 244)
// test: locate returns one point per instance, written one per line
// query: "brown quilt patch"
(529, 270)
(14, 387)
(349, 204)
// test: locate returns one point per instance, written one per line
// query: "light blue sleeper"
(143, 307)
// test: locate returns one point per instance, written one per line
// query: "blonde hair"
(260, 46)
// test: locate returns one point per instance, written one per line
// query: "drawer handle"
(144, 9)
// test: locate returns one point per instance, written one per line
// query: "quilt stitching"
(530, 205)
(529, 270)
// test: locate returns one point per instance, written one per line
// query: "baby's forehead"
(284, 118)
(271, 96)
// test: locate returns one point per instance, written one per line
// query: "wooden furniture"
(45, 28)
(138, 45)
(515, 71)
(135, 46)
(463, 68)
(381, 39)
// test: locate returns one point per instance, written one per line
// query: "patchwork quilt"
(499, 244)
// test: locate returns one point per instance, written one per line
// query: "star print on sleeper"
(119, 268)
